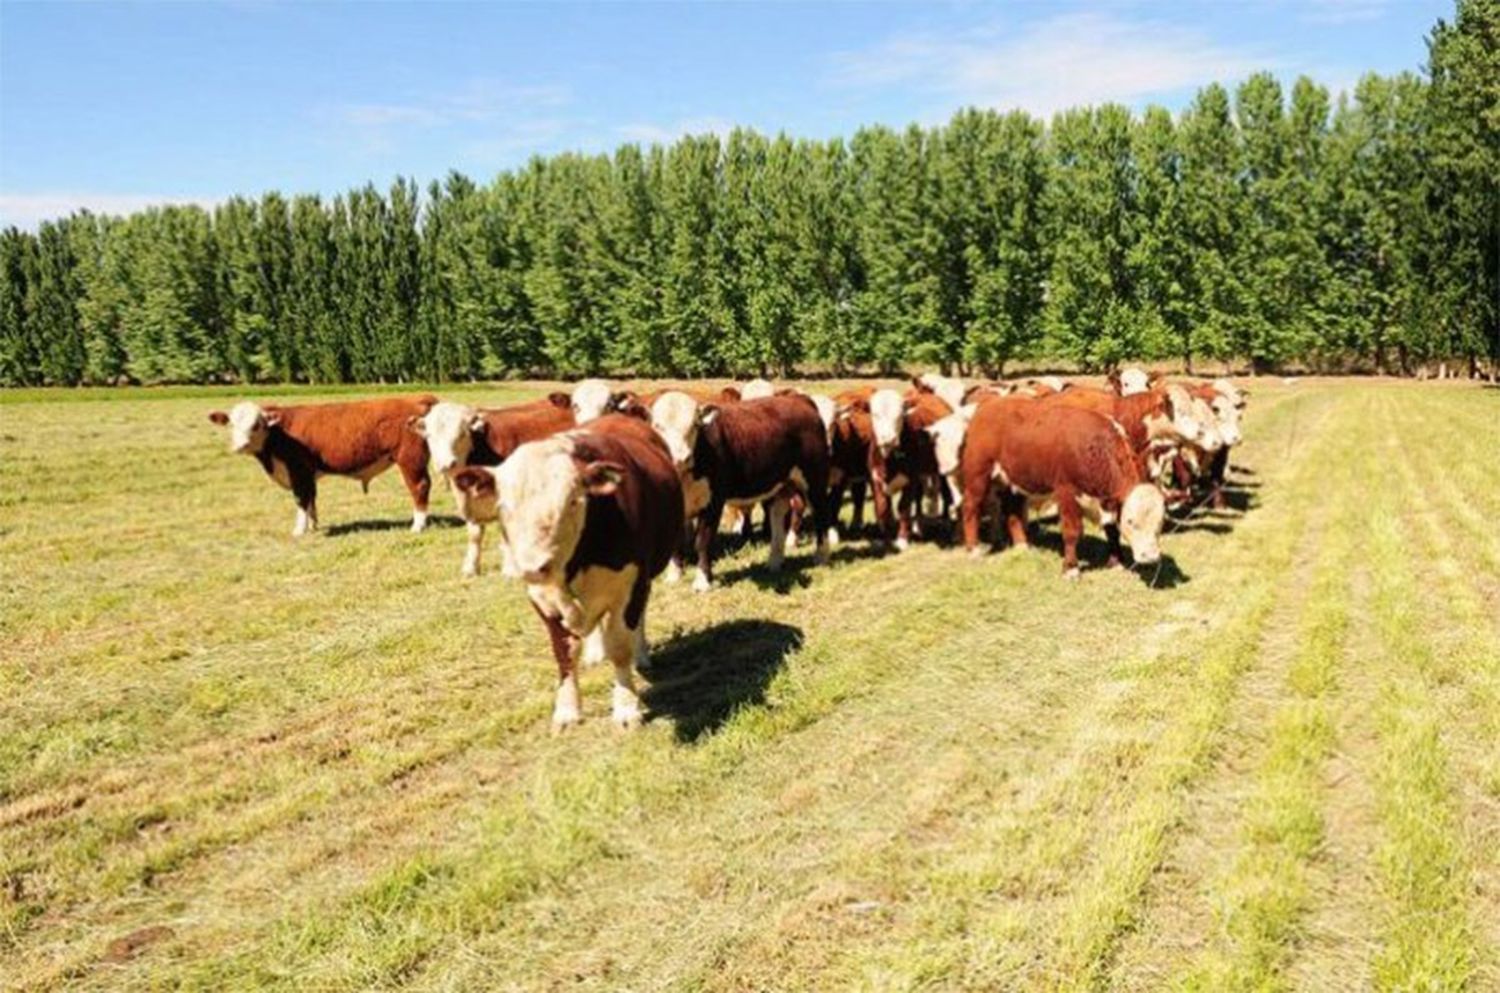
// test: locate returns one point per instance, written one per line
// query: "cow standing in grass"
(458, 435)
(361, 439)
(1036, 453)
(591, 517)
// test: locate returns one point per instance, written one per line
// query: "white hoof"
(902, 544)
(1073, 575)
(976, 552)
(701, 583)
(673, 573)
(791, 542)
(627, 711)
(562, 720)
(418, 523)
(833, 537)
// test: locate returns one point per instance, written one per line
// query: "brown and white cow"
(952, 390)
(1155, 421)
(902, 461)
(458, 435)
(360, 439)
(1131, 380)
(591, 517)
(1036, 453)
(747, 453)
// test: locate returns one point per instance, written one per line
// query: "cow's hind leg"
(1070, 519)
(411, 458)
(707, 522)
(777, 516)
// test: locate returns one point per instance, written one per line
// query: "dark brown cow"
(460, 435)
(297, 444)
(592, 515)
(748, 452)
(851, 439)
(1035, 452)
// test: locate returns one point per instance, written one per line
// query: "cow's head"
(591, 398)
(542, 492)
(1236, 395)
(1211, 439)
(1130, 381)
(1227, 418)
(248, 425)
(757, 389)
(676, 416)
(449, 429)
(887, 417)
(948, 437)
(1141, 518)
(1175, 418)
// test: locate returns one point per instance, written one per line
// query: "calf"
(1038, 453)
(591, 517)
(458, 435)
(746, 453)
(297, 444)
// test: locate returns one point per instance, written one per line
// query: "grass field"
(231, 760)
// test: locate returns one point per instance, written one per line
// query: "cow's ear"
(730, 394)
(273, 419)
(707, 414)
(560, 400)
(416, 425)
(218, 417)
(623, 400)
(919, 386)
(478, 426)
(1114, 381)
(474, 480)
(1155, 379)
(601, 478)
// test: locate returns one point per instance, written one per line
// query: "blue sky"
(113, 106)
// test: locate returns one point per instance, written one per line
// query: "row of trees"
(1260, 227)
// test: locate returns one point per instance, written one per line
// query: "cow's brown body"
(757, 450)
(507, 428)
(851, 440)
(1030, 449)
(360, 439)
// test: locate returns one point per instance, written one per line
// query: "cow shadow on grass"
(699, 680)
(391, 524)
(1093, 556)
(798, 569)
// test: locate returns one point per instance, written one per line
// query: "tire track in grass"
(1428, 938)
(1264, 892)
(1465, 672)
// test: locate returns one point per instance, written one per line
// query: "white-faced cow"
(1038, 453)
(591, 517)
(361, 439)
(458, 435)
(902, 461)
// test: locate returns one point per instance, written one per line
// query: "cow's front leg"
(305, 491)
(474, 550)
(622, 645)
(566, 708)
(857, 513)
(910, 496)
(707, 521)
(1112, 536)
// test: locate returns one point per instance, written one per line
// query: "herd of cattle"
(600, 491)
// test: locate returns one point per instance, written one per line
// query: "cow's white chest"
(594, 592)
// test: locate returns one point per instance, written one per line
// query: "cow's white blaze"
(448, 428)
(887, 411)
(542, 500)
(1133, 381)
(949, 390)
(1141, 518)
(674, 415)
(1210, 439)
(591, 399)
(248, 426)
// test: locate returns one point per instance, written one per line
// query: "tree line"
(1256, 227)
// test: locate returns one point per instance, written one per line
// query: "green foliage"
(1254, 227)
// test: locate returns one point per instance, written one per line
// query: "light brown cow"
(360, 439)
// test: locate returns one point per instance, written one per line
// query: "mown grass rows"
(949, 775)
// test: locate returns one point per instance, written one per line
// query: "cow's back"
(508, 428)
(753, 445)
(1040, 446)
(352, 436)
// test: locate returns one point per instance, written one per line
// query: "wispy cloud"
(496, 113)
(1059, 62)
(27, 210)
(661, 134)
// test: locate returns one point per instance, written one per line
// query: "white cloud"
(27, 210)
(490, 113)
(663, 134)
(1063, 61)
